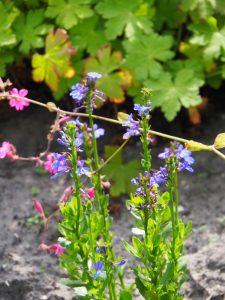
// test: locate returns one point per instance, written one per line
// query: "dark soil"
(26, 273)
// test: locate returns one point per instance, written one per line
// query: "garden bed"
(26, 273)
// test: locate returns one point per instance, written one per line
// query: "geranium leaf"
(172, 92)
(8, 13)
(107, 64)
(29, 30)
(129, 16)
(55, 63)
(68, 12)
(87, 34)
(145, 54)
(199, 9)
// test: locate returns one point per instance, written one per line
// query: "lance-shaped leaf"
(68, 12)
(55, 63)
(107, 64)
(170, 93)
(8, 13)
(120, 184)
(129, 16)
(29, 29)
(220, 141)
(145, 54)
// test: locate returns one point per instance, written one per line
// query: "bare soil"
(28, 274)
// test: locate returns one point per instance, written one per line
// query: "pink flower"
(66, 194)
(19, 104)
(39, 208)
(48, 164)
(63, 120)
(91, 193)
(7, 150)
(58, 249)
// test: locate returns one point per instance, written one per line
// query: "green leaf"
(122, 117)
(120, 184)
(72, 283)
(29, 29)
(220, 141)
(137, 245)
(88, 35)
(126, 295)
(170, 93)
(107, 64)
(170, 14)
(208, 35)
(145, 54)
(8, 13)
(129, 16)
(68, 12)
(199, 9)
(6, 57)
(55, 63)
(130, 249)
(168, 274)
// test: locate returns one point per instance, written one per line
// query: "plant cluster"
(85, 248)
(173, 47)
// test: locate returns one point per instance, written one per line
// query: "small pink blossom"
(39, 208)
(48, 164)
(7, 150)
(91, 193)
(44, 247)
(66, 194)
(19, 104)
(63, 120)
(58, 249)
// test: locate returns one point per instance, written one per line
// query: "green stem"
(176, 197)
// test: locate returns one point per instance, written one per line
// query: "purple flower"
(93, 76)
(98, 131)
(132, 127)
(99, 268)
(79, 92)
(63, 140)
(160, 176)
(122, 262)
(182, 155)
(142, 110)
(60, 164)
(81, 169)
(101, 249)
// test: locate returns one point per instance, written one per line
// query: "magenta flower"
(48, 164)
(58, 249)
(91, 193)
(7, 150)
(19, 104)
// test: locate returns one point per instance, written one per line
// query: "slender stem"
(176, 197)
(52, 107)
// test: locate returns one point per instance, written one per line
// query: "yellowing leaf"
(220, 141)
(196, 146)
(55, 63)
(122, 116)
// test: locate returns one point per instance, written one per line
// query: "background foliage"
(171, 46)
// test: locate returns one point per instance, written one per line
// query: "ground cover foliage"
(173, 47)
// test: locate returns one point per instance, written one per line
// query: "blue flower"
(160, 176)
(122, 262)
(78, 93)
(93, 76)
(60, 164)
(132, 127)
(81, 169)
(182, 155)
(99, 268)
(101, 249)
(98, 131)
(143, 110)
